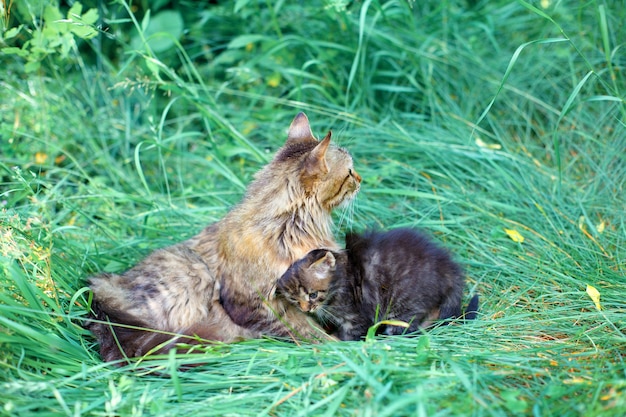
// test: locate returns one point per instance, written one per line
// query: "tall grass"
(479, 122)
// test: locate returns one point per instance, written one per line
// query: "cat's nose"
(356, 176)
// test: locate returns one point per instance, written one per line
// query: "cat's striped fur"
(220, 284)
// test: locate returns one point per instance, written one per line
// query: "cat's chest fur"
(239, 246)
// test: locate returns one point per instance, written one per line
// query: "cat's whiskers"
(326, 316)
(347, 213)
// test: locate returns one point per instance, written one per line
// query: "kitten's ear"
(322, 268)
(300, 129)
(316, 161)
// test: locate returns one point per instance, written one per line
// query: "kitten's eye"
(313, 295)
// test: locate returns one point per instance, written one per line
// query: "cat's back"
(403, 253)
(405, 273)
(169, 289)
(392, 244)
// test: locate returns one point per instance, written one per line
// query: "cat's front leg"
(351, 330)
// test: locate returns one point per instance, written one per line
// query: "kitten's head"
(307, 282)
(315, 170)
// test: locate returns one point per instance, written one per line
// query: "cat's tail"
(452, 309)
(122, 336)
(471, 311)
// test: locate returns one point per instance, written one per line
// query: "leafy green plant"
(55, 37)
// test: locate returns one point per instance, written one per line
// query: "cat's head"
(325, 173)
(307, 282)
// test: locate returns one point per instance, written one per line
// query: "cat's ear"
(324, 266)
(300, 129)
(316, 161)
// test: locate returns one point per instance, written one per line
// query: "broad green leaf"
(51, 14)
(32, 66)
(90, 17)
(11, 33)
(161, 32)
(15, 51)
(75, 11)
(82, 24)
(83, 31)
(53, 22)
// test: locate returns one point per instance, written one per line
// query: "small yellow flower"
(40, 158)
(274, 80)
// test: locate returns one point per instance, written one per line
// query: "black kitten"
(395, 275)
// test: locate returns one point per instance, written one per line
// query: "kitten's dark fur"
(396, 275)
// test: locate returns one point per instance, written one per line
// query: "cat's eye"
(354, 175)
(313, 295)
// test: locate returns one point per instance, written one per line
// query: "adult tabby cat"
(399, 274)
(220, 284)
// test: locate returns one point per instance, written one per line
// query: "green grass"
(463, 119)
